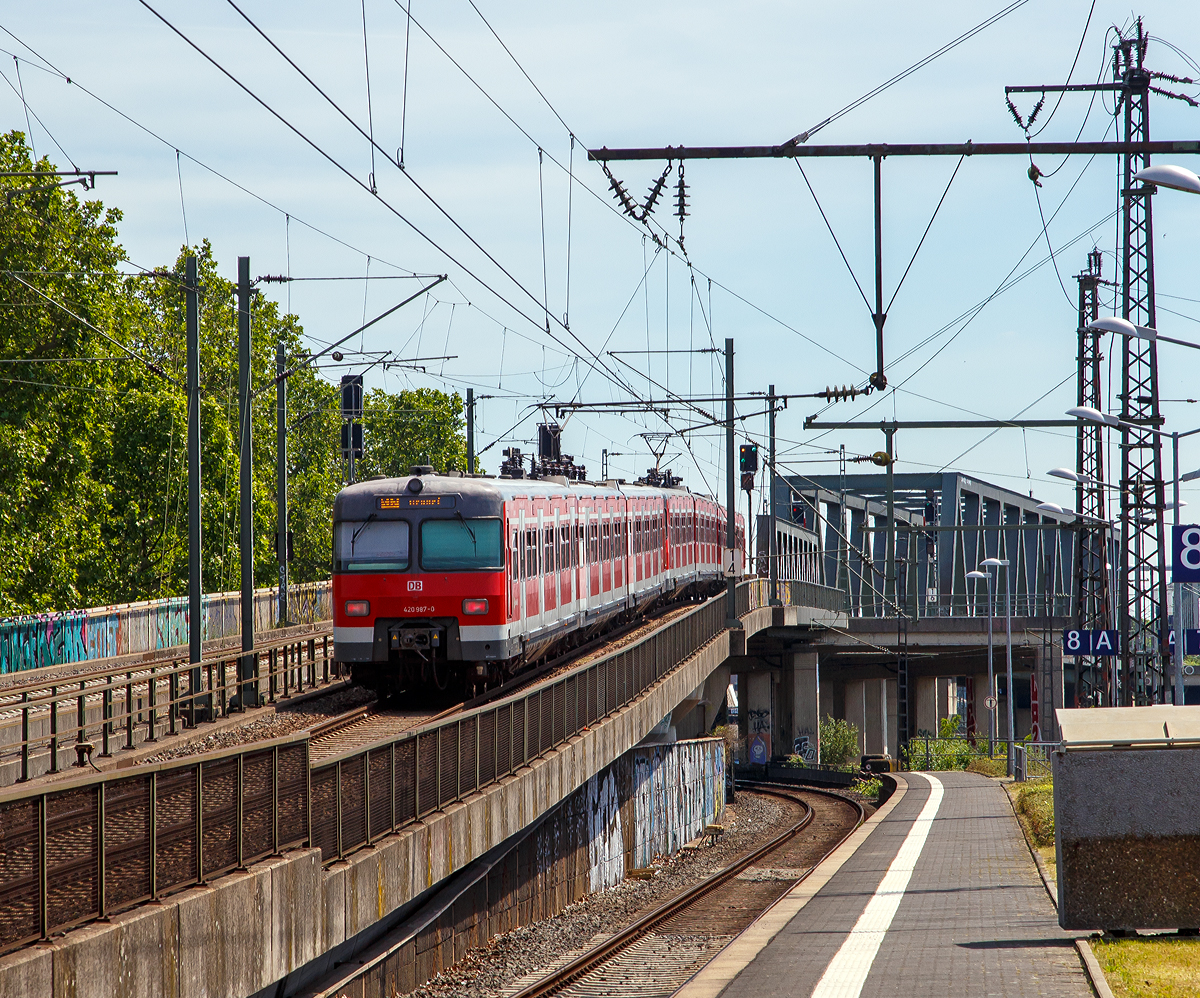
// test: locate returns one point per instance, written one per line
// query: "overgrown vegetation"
(839, 742)
(869, 786)
(1035, 802)
(93, 456)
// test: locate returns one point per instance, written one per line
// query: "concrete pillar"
(876, 698)
(947, 694)
(715, 689)
(893, 719)
(800, 702)
(759, 717)
(926, 695)
(826, 698)
(856, 711)
(982, 715)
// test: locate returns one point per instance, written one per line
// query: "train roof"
(489, 488)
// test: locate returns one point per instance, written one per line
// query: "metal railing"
(1031, 760)
(119, 707)
(94, 846)
(88, 847)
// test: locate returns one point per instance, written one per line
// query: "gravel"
(491, 972)
(284, 720)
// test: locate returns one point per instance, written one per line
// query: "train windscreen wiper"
(463, 520)
(354, 536)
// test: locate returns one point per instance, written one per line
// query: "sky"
(496, 192)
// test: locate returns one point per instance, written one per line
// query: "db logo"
(416, 586)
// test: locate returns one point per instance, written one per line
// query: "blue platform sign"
(1086, 642)
(1191, 641)
(1185, 552)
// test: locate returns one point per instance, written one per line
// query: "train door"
(547, 548)
(514, 562)
(533, 585)
(620, 566)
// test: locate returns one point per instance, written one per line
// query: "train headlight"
(475, 606)
(358, 608)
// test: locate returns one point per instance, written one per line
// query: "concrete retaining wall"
(40, 640)
(249, 930)
(649, 802)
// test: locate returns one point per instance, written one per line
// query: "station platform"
(938, 895)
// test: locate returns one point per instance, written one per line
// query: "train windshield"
(461, 545)
(371, 545)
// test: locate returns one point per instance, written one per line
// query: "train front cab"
(419, 584)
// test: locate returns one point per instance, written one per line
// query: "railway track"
(381, 720)
(658, 953)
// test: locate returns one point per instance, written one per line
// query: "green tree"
(93, 450)
(419, 426)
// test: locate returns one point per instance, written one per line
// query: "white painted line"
(847, 971)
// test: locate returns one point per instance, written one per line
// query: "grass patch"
(988, 767)
(1156, 967)
(1035, 802)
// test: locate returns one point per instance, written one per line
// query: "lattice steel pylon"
(1143, 590)
(1093, 682)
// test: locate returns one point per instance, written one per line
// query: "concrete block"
(223, 938)
(27, 972)
(85, 962)
(333, 905)
(147, 952)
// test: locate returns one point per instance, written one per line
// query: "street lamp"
(1123, 327)
(1096, 416)
(996, 563)
(991, 673)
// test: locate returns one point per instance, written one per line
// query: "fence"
(102, 844)
(32, 642)
(122, 707)
(1031, 760)
(73, 852)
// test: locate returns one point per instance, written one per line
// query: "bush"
(839, 742)
(1036, 802)
(868, 787)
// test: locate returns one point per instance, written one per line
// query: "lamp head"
(1069, 475)
(1165, 175)
(1053, 507)
(1092, 415)
(993, 562)
(1123, 327)
(978, 575)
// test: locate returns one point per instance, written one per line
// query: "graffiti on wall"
(806, 746)
(33, 642)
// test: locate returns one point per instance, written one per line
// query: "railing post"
(153, 835)
(106, 711)
(367, 792)
(24, 739)
(325, 656)
(275, 802)
(81, 718)
(416, 776)
(392, 781)
(338, 814)
(458, 761)
(241, 797)
(101, 899)
(129, 710)
(200, 823)
(54, 729)
(173, 700)
(437, 767)
(152, 698)
(43, 873)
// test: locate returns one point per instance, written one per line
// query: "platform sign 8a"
(1185, 552)
(1102, 644)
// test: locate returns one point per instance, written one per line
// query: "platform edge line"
(739, 952)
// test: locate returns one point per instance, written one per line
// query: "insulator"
(655, 192)
(1036, 108)
(681, 211)
(1015, 113)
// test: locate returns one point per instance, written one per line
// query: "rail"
(81, 849)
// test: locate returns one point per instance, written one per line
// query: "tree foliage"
(92, 441)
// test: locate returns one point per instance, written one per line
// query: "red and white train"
(440, 579)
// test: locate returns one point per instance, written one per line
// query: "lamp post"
(996, 563)
(987, 577)
(1095, 416)
(1180, 179)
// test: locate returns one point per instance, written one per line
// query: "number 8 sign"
(1185, 546)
